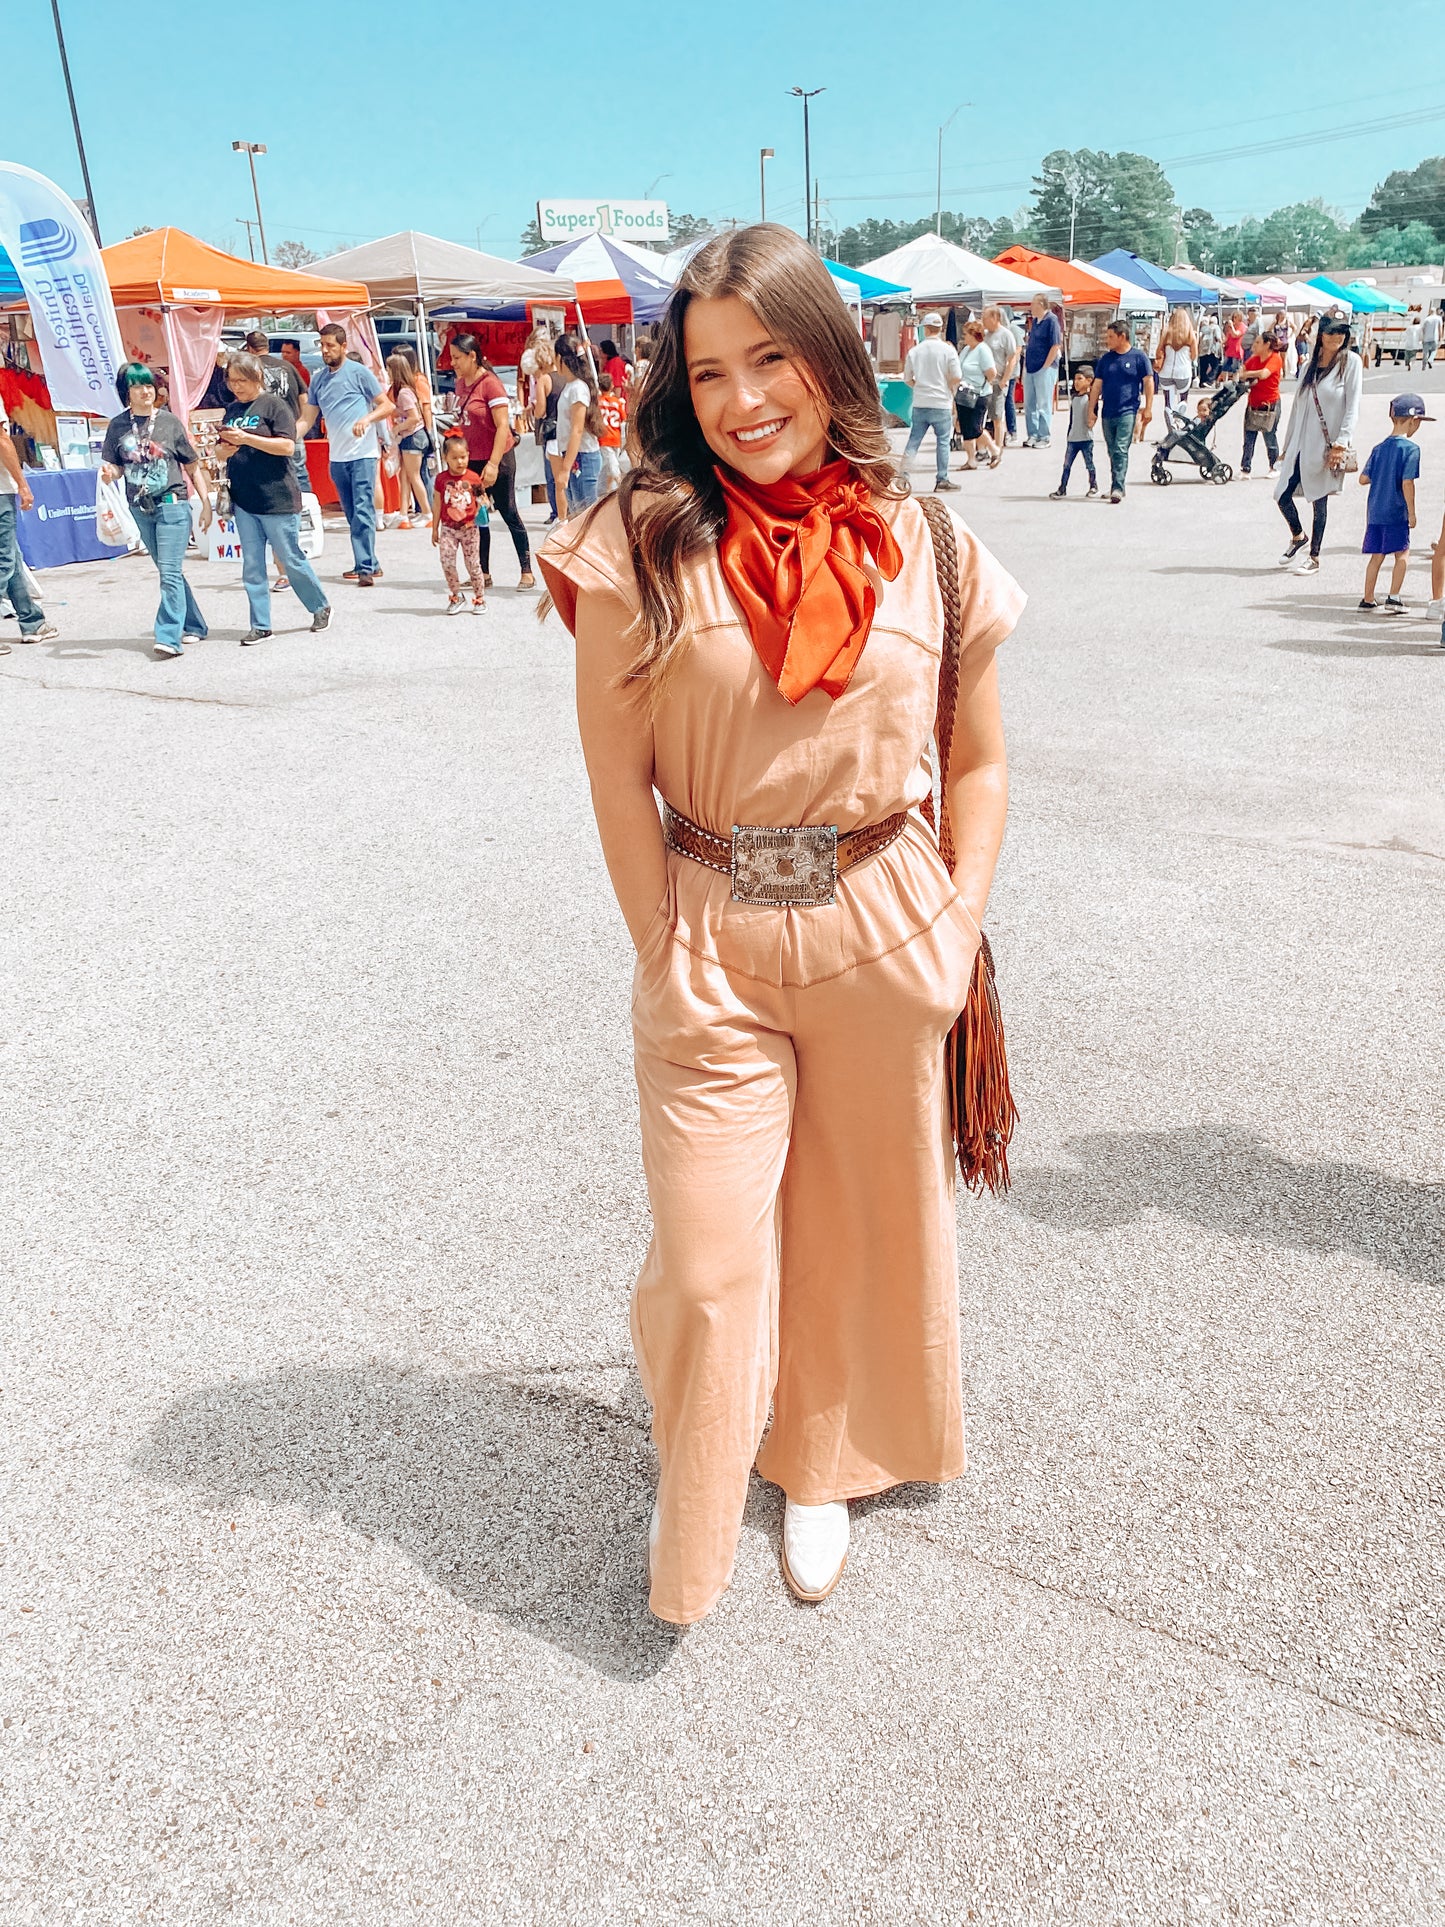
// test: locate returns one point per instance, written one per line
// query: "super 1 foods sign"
(628, 220)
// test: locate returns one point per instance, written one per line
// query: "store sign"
(628, 220)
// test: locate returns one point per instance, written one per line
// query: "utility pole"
(805, 95)
(817, 216)
(75, 123)
(1073, 216)
(765, 154)
(250, 239)
(938, 209)
(251, 149)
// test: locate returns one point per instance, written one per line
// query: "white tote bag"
(114, 523)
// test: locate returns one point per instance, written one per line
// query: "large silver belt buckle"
(795, 866)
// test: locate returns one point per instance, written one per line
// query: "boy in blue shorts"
(1390, 475)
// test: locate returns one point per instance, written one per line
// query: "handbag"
(1352, 461)
(982, 1112)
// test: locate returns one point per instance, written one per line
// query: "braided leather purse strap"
(945, 555)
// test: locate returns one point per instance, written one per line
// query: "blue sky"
(361, 143)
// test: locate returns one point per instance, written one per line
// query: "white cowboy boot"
(815, 1547)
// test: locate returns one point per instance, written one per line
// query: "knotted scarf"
(792, 553)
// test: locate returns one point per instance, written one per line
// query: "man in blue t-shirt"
(1041, 372)
(352, 401)
(1123, 383)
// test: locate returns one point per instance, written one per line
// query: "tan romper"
(789, 1072)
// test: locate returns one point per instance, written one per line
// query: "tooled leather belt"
(797, 865)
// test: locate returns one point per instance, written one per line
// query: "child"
(1390, 473)
(1081, 436)
(612, 406)
(458, 504)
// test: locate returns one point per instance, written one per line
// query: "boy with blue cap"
(1390, 474)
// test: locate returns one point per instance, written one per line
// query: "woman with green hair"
(149, 446)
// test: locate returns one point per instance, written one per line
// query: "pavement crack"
(118, 689)
(1381, 1721)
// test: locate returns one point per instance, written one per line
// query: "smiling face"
(754, 402)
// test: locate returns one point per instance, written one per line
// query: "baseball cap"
(1406, 408)
(934, 320)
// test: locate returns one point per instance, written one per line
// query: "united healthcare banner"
(60, 270)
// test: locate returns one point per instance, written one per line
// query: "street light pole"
(251, 149)
(765, 154)
(805, 94)
(75, 122)
(938, 210)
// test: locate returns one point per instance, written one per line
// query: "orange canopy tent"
(1079, 287)
(170, 268)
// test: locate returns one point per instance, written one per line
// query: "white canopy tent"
(417, 272)
(936, 270)
(1132, 298)
(1296, 296)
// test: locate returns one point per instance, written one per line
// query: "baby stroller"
(1189, 436)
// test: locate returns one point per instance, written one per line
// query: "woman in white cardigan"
(1318, 439)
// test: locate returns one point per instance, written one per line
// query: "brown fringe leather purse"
(981, 1106)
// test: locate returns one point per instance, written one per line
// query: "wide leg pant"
(795, 1139)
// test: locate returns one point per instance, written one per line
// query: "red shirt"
(619, 371)
(612, 407)
(479, 424)
(1233, 342)
(458, 497)
(1264, 393)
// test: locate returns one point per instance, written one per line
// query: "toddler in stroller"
(1189, 436)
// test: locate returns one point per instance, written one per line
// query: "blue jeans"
(283, 532)
(1118, 438)
(1039, 402)
(582, 482)
(166, 531)
(28, 612)
(356, 485)
(940, 420)
(1072, 451)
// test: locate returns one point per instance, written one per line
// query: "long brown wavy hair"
(672, 503)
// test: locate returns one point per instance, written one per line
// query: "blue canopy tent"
(1374, 300)
(1144, 274)
(870, 287)
(1337, 293)
(616, 282)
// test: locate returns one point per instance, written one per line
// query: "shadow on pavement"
(1239, 1186)
(524, 1500)
(1360, 647)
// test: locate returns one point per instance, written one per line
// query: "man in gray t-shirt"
(1003, 345)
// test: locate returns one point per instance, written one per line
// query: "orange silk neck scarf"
(792, 553)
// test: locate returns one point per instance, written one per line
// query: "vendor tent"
(1078, 287)
(1133, 300)
(404, 269)
(1370, 300)
(1226, 291)
(1339, 297)
(868, 287)
(616, 281)
(170, 268)
(936, 270)
(1298, 297)
(1144, 274)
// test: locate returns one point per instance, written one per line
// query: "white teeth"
(759, 434)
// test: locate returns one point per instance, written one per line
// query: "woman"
(547, 383)
(577, 464)
(1318, 440)
(788, 1030)
(485, 417)
(1414, 336)
(257, 443)
(150, 448)
(1302, 344)
(978, 377)
(1211, 337)
(409, 436)
(615, 365)
(1174, 360)
(1262, 373)
(1234, 343)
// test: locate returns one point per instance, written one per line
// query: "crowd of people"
(454, 454)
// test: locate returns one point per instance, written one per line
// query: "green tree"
(532, 242)
(295, 254)
(1102, 201)
(1412, 246)
(144, 228)
(1409, 195)
(1201, 236)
